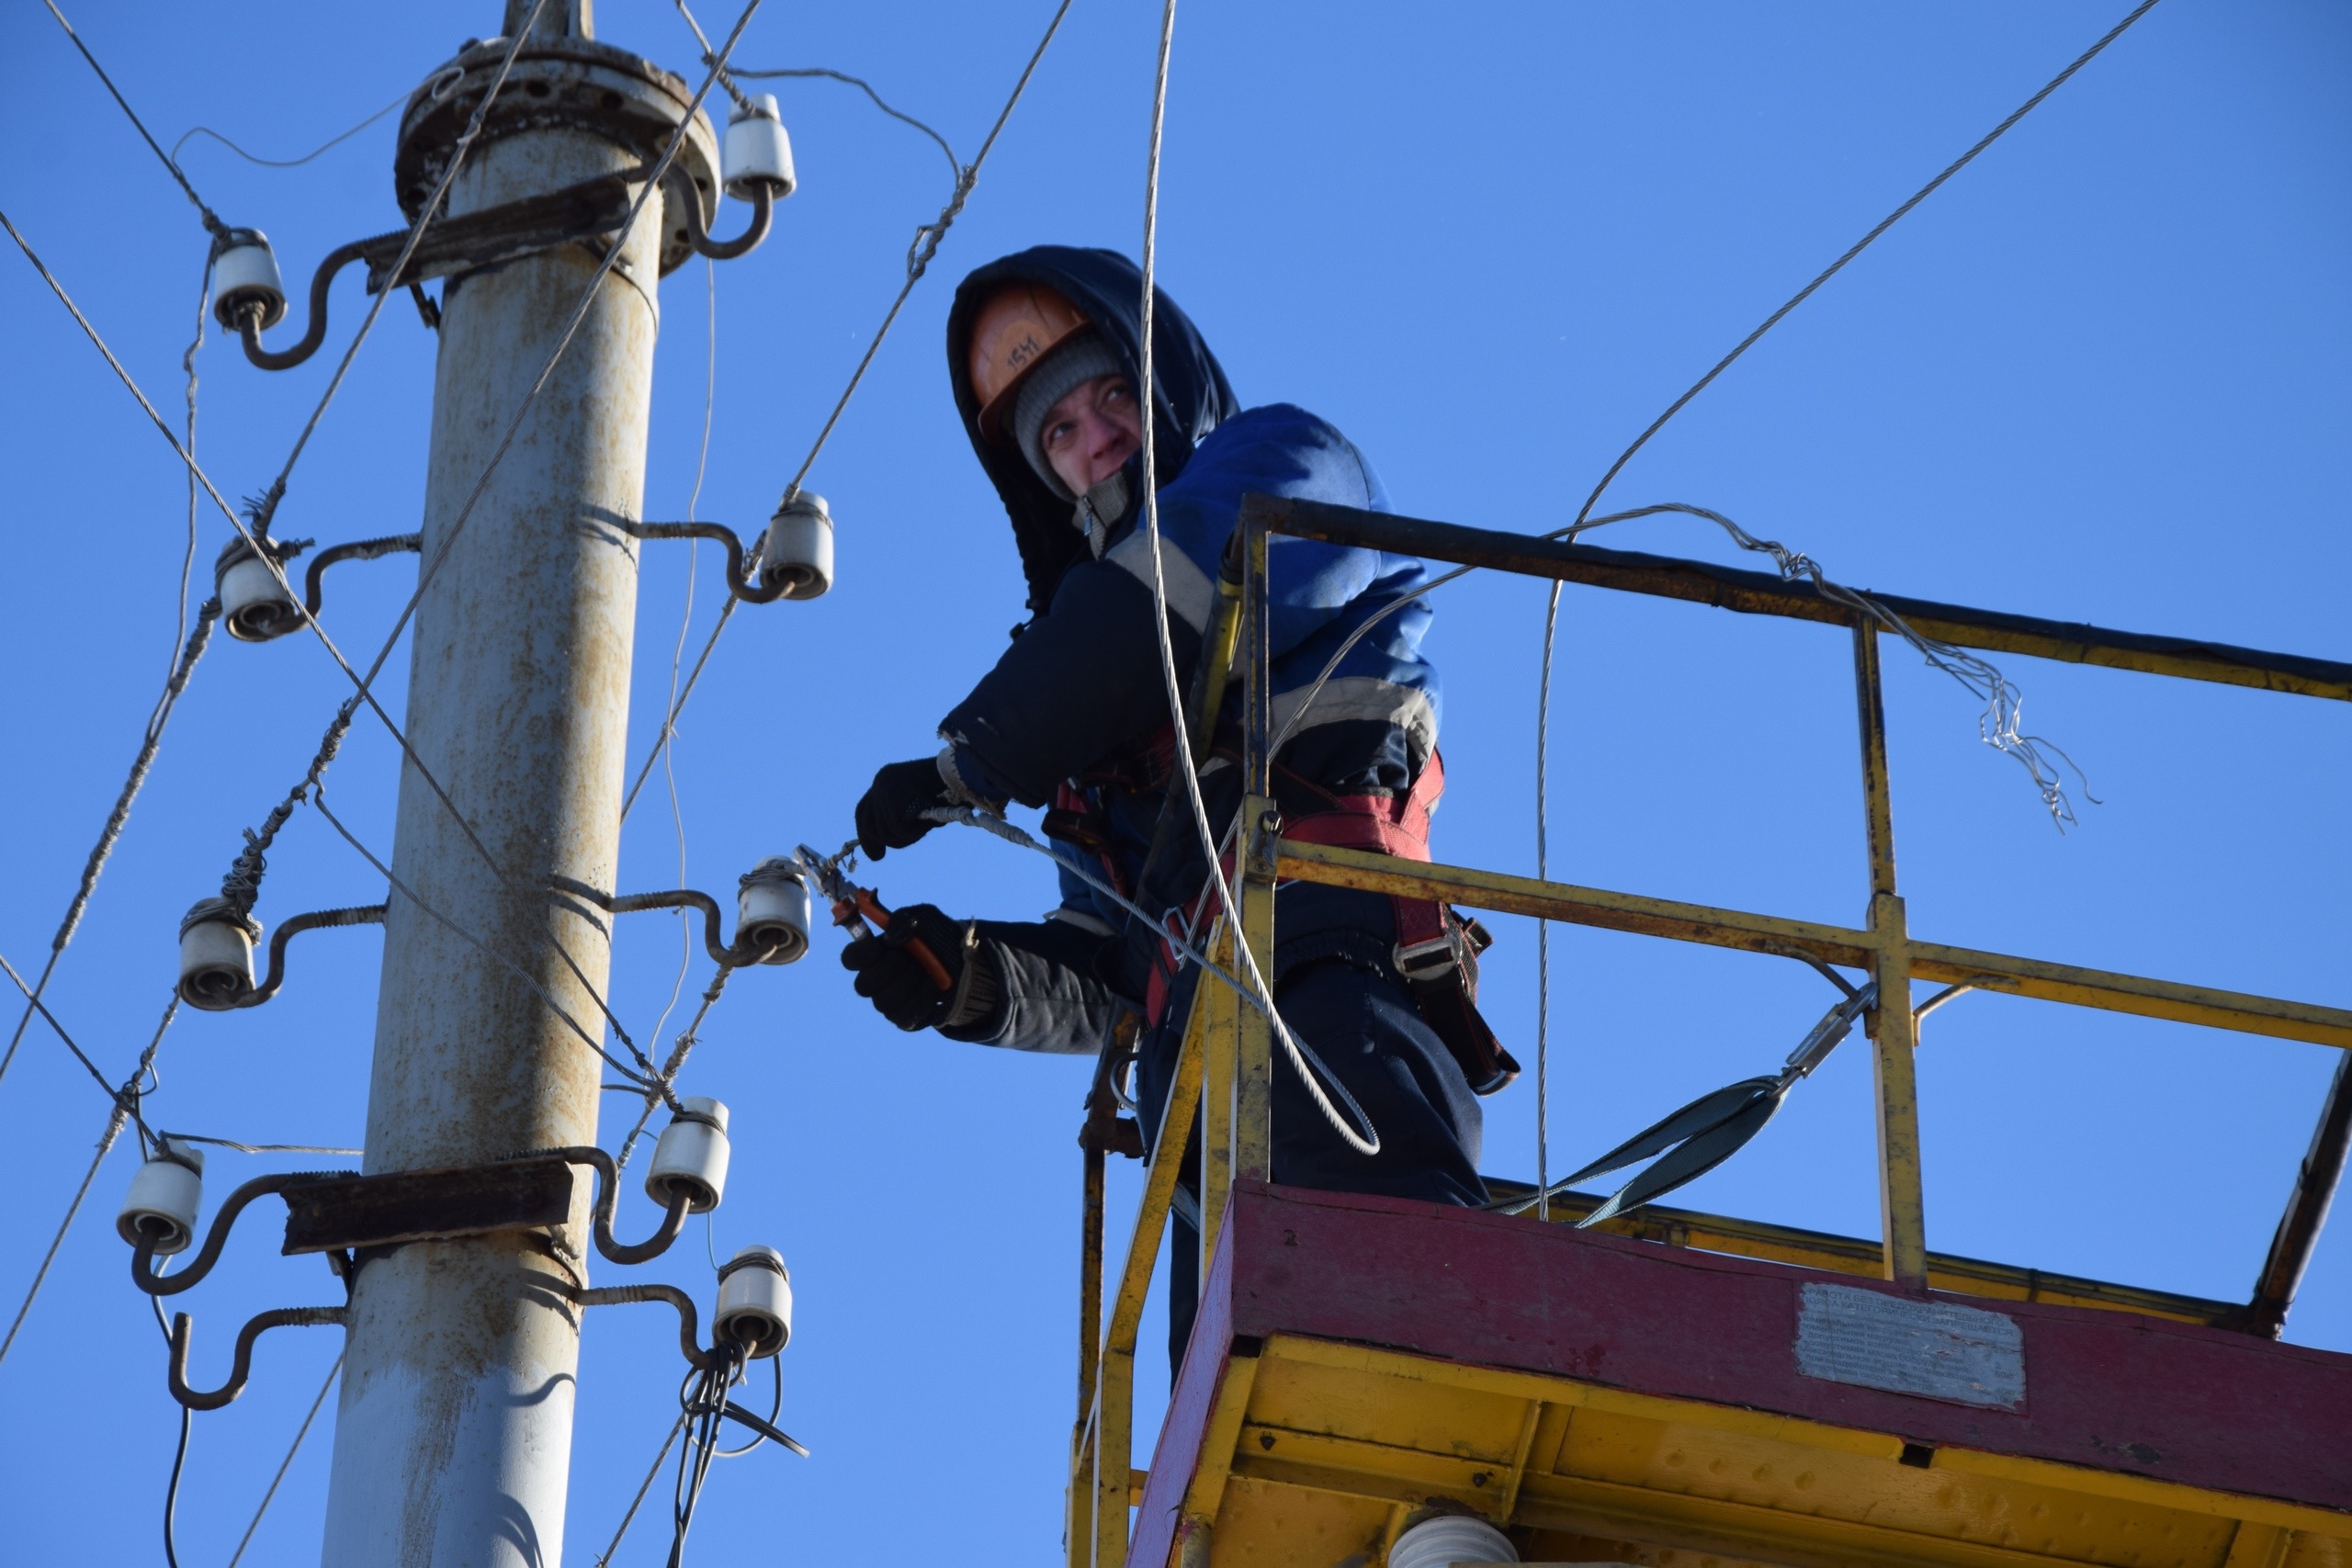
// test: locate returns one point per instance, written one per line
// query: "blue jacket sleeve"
(1085, 678)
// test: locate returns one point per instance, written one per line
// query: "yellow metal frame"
(1224, 1067)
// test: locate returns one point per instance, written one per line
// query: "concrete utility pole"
(454, 1433)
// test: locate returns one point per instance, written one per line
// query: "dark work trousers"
(1361, 1020)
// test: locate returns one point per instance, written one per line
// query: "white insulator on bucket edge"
(691, 1154)
(771, 913)
(754, 1301)
(217, 955)
(798, 548)
(164, 1198)
(757, 150)
(254, 606)
(244, 275)
(1450, 1538)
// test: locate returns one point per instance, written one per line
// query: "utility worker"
(1043, 350)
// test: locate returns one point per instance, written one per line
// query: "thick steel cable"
(125, 1110)
(1366, 1142)
(918, 258)
(211, 219)
(286, 1463)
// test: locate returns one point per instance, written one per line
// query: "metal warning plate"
(1934, 1349)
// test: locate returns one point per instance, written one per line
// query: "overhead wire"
(919, 257)
(954, 164)
(605, 1557)
(451, 74)
(1367, 1142)
(124, 1111)
(211, 219)
(332, 740)
(190, 647)
(286, 1463)
(686, 621)
(2022, 748)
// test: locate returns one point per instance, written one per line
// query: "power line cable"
(286, 1463)
(451, 75)
(2052, 797)
(919, 257)
(116, 1120)
(954, 164)
(211, 219)
(685, 624)
(605, 1557)
(151, 741)
(1366, 1142)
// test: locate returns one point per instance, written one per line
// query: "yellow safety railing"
(1223, 1071)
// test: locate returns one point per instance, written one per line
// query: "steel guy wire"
(211, 219)
(125, 1111)
(1543, 942)
(451, 75)
(919, 257)
(287, 1463)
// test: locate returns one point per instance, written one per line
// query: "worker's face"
(1091, 433)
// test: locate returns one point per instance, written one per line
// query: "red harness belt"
(1437, 948)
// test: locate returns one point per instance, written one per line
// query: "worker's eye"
(1115, 393)
(1058, 433)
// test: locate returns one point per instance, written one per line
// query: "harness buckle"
(1430, 960)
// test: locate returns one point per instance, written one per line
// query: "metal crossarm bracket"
(502, 233)
(337, 1214)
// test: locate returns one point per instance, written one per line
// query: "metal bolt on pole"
(454, 1430)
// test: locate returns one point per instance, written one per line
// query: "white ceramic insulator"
(758, 152)
(216, 964)
(253, 604)
(245, 272)
(772, 914)
(755, 1302)
(799, 547)
(1441, 1542)
(163, 1199)
(692, 1153)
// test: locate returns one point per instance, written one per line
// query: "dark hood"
(1192, 397)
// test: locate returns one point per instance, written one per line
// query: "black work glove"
(889, 817)
(894, 979)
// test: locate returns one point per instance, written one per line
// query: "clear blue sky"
(2101, 376)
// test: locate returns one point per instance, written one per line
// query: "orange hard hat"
(1015, 332)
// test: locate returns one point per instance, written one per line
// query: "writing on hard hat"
(1016, 330)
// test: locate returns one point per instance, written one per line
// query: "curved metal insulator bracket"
(317, 919)
(738, 582)
(358, 549)
(241, 1368)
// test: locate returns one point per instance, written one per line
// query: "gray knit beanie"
(1081, 359)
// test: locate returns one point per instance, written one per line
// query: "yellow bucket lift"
(1674, 1388)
